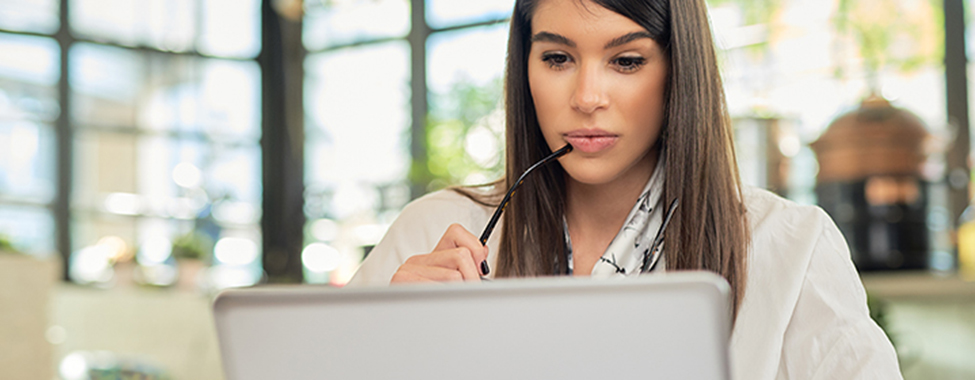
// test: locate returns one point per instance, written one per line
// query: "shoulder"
(779, 225)
(426, 218)
(786, 235)
(786, 240)
(769, 210)
(446, 204)
(804, 310)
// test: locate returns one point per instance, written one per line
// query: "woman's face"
(597, 79)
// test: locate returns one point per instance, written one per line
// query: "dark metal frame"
(65, 144)
(282, 146)
(956, 99)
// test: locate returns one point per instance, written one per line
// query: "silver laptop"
(672, 326)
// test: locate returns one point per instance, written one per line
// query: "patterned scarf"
(625, 253)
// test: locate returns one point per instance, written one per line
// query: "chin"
(590, 174)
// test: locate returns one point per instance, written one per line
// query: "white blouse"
(804, 314)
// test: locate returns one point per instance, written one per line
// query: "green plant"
(901, 35)
(192, 245)
(466, 107)
(878, 312)
(6, 246)
(755, 11)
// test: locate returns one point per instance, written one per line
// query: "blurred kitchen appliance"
(870, 182)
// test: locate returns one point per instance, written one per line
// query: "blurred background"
(154, 152)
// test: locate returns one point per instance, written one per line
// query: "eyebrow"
(552, 37)
(627, 38)
(618, 41)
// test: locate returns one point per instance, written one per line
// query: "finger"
(426, 273)
(457, 236)
(458, 259)
(407, 277)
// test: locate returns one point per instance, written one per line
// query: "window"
(360, 115)
(465, 125)
(165, 114)
(37, 16)
(166, 149)
(29, 73)
(356, 153)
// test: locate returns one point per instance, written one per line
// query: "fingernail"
(484, 267)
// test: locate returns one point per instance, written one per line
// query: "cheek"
(646, 103)
(543, 90)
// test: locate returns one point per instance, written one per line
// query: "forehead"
(581, 17)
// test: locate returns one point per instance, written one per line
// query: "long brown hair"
(709, 230)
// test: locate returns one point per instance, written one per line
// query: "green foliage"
(454, 115)
(6, 246)
(878, 312)
(193, 245)
(902, 35)
(755, 11)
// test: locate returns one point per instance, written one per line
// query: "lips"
(590, 140)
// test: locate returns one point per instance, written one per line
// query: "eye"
(556, 60)
(629, 64)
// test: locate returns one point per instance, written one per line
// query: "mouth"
(590, 140)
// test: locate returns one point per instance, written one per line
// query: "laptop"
(668, 326)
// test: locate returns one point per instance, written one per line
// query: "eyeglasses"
(652, 255)
(507, 197)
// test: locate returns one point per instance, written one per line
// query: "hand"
(457, 257)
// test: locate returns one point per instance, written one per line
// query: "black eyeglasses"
(507, 197)
(651, 256)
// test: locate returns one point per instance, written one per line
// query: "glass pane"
(466, 122)
(39, 16)
(27, 162)
(28, 229)
(29, 70)
(161, 24)
(121, 88)
(358, 101)
(105, 84)
(126, 174)
(152, 191)
(227, 28)
(356, 153)
(28, 60)
(236, 258)
(231, 28)
(234, 173)
(121, 250)
(443, 13)
(105, 164)
(331, 23)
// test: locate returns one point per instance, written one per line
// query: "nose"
(590, 93)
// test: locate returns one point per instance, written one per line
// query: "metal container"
(870, 182)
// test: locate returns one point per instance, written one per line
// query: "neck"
(602, 208)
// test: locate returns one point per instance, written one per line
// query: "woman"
(634, 87)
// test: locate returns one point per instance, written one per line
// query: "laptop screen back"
(672, 326)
